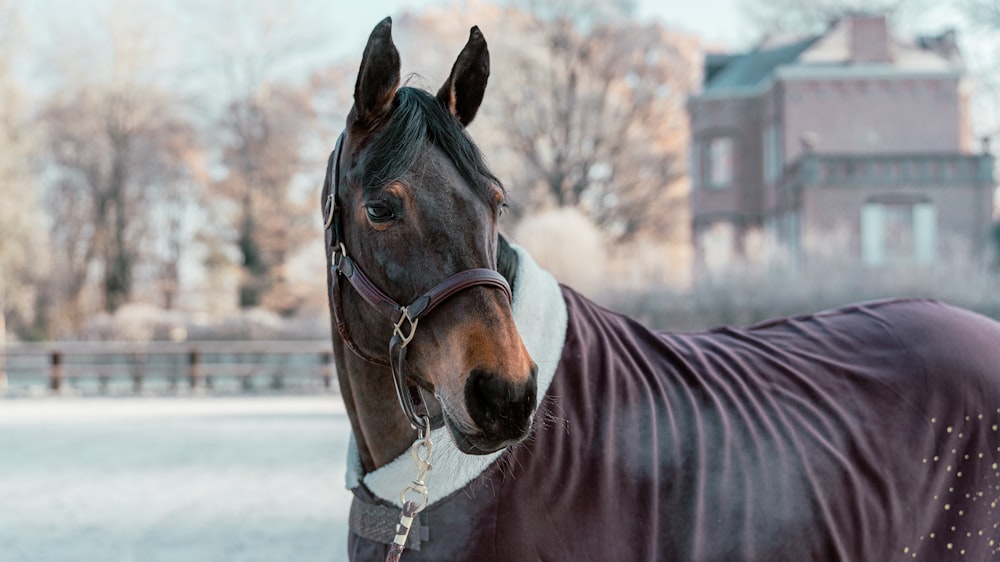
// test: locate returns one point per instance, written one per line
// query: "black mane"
(417, 118)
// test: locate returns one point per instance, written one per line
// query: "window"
(695, 164)
(898, 232)
(718, 169)
(772, 153)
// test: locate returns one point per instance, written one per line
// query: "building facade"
(854, 132)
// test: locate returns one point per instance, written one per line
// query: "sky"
(722, 24)
(339, 29)
(342, 27)
(716, 21)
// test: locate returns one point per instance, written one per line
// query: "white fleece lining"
(540, 316)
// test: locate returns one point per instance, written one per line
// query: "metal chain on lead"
(421, 453)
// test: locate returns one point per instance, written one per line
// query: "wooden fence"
(150, 367)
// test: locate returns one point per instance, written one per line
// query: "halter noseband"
(404, 319)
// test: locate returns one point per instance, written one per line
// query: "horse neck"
(381, 431)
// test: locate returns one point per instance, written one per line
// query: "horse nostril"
(498, 406)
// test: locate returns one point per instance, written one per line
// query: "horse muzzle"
(501, 412)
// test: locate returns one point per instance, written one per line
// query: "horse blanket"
(865, 433)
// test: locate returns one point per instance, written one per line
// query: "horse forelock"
(418, 118)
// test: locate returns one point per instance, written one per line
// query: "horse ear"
(463, 91)
(378, 78)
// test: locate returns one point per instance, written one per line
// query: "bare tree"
(585, 108)
(261, 131)
(585, 14)
(262, 159)
(22, 240)
(599, 119)
(116, 155)
(118, 145)
(982, 25)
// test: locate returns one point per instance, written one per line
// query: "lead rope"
(410, 507)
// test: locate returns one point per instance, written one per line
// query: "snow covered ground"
(192, 479)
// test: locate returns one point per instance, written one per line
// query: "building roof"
(840, 46)
(749, 69)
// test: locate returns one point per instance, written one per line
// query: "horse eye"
(379, 213)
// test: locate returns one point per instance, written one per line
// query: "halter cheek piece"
(404, 319)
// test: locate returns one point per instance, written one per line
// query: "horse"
(500, 415)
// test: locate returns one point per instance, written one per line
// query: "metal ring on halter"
(331, 206)
(420, 489)
(339, 254)
(424, 434)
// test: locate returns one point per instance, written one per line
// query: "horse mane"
(418, 118)
(507, 260)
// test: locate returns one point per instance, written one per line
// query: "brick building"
(854, 131)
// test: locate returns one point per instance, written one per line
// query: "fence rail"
(138, 367)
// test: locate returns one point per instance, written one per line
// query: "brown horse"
(563, 431)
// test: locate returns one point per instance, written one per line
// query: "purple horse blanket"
(865, 433)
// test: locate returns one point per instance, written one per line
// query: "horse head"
(416, 205)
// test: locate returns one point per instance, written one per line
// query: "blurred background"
(160, 236)
(161, 161)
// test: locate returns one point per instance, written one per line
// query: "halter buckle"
(339, 253)
(404, 318)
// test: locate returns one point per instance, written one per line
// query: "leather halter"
(404, 319)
